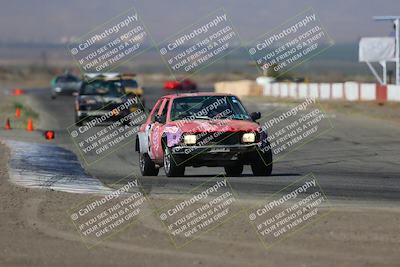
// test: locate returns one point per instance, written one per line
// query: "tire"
(170, 167)
(262, 163)
(234, 170)
(53, 96)
(78, 121)
(147, 166)
(126, 123)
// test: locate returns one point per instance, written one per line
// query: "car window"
(104, 88)
(155, 110)
(208, 107)
(165, 108)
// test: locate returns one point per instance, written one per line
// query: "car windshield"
(208, 107)
(130, 83)
(67, 79)
(106, 88)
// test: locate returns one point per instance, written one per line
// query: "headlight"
(57, 89)
(190, 139)
(249, 138)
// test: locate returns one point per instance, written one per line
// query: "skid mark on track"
(49, 166)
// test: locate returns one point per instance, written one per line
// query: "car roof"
(109, 75)
(68, 75)
(173, 96)
(104, 75)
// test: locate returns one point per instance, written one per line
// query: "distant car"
(172, 85)
(65, 84)
(191, 130)
(188, 85)
(184, 85)
(97, 97)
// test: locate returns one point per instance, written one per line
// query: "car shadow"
(147, 184)
(242, 175)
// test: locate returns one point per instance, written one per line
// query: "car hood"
(67, 85)
(197, 126)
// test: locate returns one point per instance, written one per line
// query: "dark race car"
(99, 97)
(202, 129)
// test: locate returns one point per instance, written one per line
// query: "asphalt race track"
(357, 159)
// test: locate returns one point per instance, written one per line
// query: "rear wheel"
(262, 163)
(234, 170)
(171, 168)
(147, 166)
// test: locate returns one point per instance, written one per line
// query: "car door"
(145, 139)
(157, 130)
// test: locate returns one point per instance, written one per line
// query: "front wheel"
(171, 168)
(147, 166)
(262, 163)
(234, 170)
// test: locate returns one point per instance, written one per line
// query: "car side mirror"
(159, 119)
(255, 116)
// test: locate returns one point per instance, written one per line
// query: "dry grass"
(8, 105)
(387, 111)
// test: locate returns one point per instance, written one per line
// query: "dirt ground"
(36, 231)
(389, 111)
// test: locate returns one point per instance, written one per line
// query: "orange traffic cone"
(17, 113)
(8, 125)
(29, 127)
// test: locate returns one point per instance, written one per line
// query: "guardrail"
(350, 91)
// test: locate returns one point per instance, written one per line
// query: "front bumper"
(214, 155)
(214, 149)
(90, 114)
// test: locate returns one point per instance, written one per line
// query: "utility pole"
(396, 21)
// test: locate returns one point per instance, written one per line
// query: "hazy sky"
(49, 20)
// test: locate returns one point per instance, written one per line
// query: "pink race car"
(202, 129)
